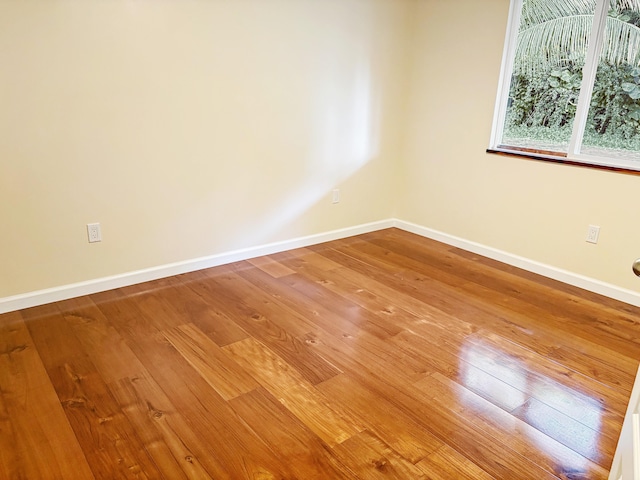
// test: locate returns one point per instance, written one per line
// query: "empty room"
(319, 239)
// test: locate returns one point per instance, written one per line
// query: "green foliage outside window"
(547, 75)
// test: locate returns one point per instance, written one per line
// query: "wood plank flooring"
(384, 355)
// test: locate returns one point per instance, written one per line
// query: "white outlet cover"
(593, 232)
(94, 233)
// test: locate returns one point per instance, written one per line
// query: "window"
(570, 82)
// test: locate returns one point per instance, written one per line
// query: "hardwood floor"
(384, 355)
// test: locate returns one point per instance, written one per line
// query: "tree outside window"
(572, 69)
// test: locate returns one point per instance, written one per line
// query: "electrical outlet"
(94, 233)
(336, 196)
(593, 232)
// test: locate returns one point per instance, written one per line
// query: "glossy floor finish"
(379, 356)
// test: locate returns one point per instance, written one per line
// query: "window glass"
(613, 124)
(547, 73)
(570, 87)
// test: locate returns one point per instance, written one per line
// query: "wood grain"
(446, 464)
(223, 374)
(288, 436)
(37, 439)
(384, 355)
(317, 412)
(166, 435)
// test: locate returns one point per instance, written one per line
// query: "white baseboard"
(41, 297)
(587, 283)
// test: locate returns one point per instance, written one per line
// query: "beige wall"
(537, 210)
(190, 128)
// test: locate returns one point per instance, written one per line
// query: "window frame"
(573, 155)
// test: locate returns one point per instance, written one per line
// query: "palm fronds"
(621, 43)
(535, 12)
(545, 42)
(618, 5)
(553, 43)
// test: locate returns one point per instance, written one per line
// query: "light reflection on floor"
(568, 416)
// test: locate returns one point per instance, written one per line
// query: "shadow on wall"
(341, 134)
(345, 138)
